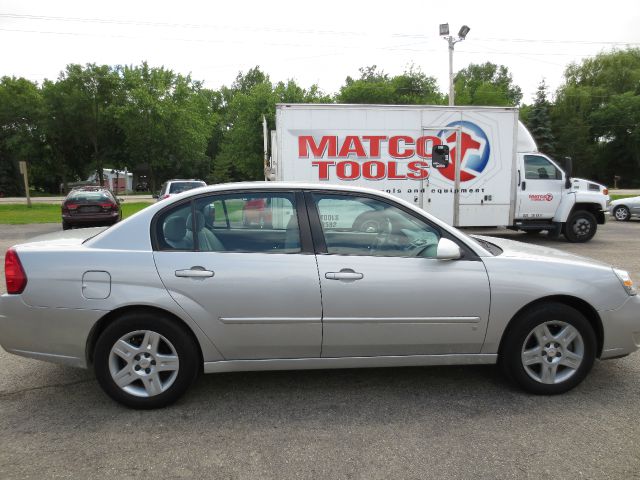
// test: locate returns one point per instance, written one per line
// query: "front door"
(236, 264)
(384, 293)
(540, 189)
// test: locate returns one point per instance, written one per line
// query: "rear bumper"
(57, 335)
(110, 217)
(621, 329)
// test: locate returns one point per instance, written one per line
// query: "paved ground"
(441, 423)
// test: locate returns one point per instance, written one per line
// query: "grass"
(616, 197)
(13, 214)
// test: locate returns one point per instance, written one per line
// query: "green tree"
(68, 149)
(486, 84)
(20, 131)
(539, 121)
(94, 90)
(412, 87)
(595, 117)
(167, 120)
(251, 97)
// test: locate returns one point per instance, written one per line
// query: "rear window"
(179, 187)
(81, 196)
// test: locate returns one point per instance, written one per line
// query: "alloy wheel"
(552, 352)
(143, 363)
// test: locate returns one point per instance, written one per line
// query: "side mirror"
(448, 250)
(568, 171)
(440, 156)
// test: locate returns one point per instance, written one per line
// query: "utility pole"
(23, 171)
(462, 34)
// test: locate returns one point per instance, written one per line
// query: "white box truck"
(498, 178)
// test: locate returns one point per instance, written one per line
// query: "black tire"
(520, 338)
(534, 231)
(622, 213)
(581, 226)
(65, 226)
(172, 336)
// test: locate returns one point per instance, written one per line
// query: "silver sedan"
(334, 277)
(623, 208)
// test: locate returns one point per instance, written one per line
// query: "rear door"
(253, 288)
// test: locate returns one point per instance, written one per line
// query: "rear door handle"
(344, 274)
(194, 272)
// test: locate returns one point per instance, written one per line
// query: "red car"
(90, 206)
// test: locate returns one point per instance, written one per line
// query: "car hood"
(63, 238)
(514, 249)
(624, 200)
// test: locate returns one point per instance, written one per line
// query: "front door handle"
(194, 272)
(344, 274)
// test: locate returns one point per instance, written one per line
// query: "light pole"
(444, 33)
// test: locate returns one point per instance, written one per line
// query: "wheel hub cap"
(143, 363)
(552, 352)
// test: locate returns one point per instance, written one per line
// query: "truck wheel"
(145, 360)
(622, 213)
(549, 350)
(581, 226)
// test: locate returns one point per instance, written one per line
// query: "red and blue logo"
(475, 148)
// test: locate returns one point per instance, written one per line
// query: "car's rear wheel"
(65, 225)
(549, 350)
(622, 213)
(145, 360)
(581, 226)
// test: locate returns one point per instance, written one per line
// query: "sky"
(312, 42)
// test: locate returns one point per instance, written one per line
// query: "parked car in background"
(624, 208)
(343, 277)
(90, 205)
(174, 187)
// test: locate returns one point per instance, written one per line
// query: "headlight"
(626, 281)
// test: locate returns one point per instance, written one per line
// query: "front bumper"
(621, 329)
(56, 335)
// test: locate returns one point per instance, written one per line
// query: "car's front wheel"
(622, 213)
(145, 360)
(549, 350)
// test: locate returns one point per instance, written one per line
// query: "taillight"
(14, 273)
(71, 206)
(109, 206)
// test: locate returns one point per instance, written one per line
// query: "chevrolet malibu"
(339, 278)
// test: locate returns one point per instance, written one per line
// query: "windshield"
(179, 187)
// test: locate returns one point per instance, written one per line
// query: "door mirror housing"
(448, 250)
(568, 171)
(440, 156)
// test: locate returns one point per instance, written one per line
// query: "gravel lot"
(437, 422)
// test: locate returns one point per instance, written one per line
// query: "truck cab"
(547, 198)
